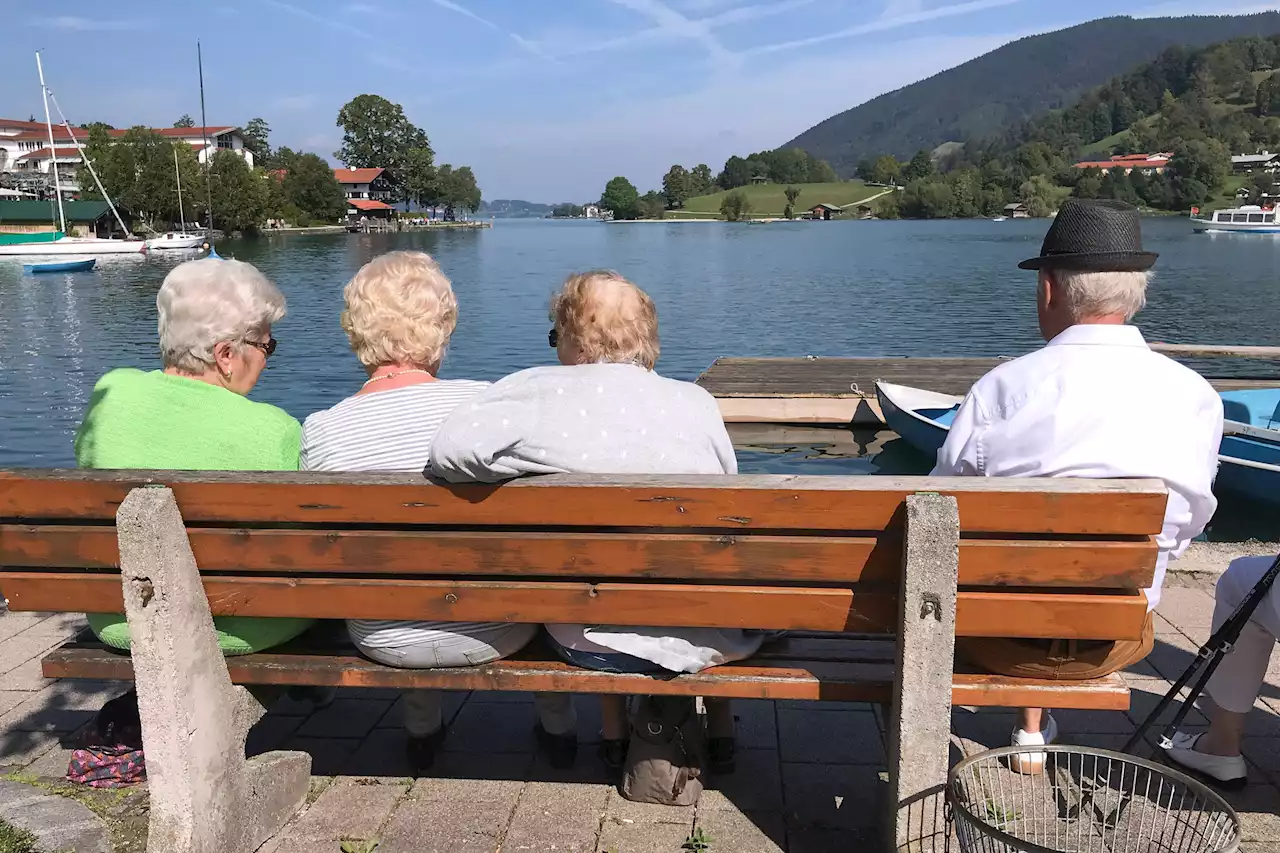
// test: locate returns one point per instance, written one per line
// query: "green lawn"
(770, 200)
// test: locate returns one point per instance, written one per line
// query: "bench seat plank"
(534, 669)
(743, 502)
(980, 614)
(1120, 564)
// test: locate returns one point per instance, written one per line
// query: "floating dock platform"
(842, 391)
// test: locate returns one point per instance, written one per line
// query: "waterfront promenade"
(808, 777)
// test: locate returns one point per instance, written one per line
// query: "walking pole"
(1208, 658)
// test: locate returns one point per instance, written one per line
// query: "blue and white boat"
(1238, 220)
(1249, 458)
(923, 418)
(60, 266)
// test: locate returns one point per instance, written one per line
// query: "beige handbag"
(667, 754)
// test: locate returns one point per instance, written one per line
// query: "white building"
(373, 183)
(591, 211)
(24, 145)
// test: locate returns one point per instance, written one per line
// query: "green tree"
(886, 170)
(310, 186)
(701, 180)
(257, 138)
(930, 199)
(375, 132)
(889, 206)
(281, 158)
(1267, 96)
(419, 182)
(1039, 195)
(921, 166)
(820, 172)
(621, 197)
(466, 192)
(737, 173)
(792, 193)
(185, 121)
(676, 186)
(240, 194)
(1089, 185)
(653, 205)
(736, 206)
(1198, 169)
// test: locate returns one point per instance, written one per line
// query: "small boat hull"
(74, 246)
(923, 418)
(60, 266)
(177, 241)
(1249, 458)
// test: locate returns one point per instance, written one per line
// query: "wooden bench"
(873, 575)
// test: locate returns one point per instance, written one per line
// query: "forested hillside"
(983, 97)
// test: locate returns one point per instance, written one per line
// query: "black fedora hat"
(1094, 236)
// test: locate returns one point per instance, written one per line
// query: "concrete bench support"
(205, 796)
(920, 725)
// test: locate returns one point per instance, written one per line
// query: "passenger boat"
(1250, 218)
(1249, 458)
(923, 418)
(60, 266)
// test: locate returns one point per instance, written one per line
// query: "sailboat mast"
(204, 130)
(53, 151)
(177, 174)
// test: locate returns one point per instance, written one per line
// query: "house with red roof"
(366, 183)
(1151, 164)
(24, 145)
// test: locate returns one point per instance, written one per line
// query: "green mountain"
(984, 96)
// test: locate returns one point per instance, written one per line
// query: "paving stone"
(1092, 722)
(492, 727)
(565, 818)
(1172, 654)
(10, 699)
(757, 724)
(1259, 809)
(588, 769)
(18, 748)
(270, 732)
(621, 810)
(641, 837)
(349, 808)
(31, 644)
(382, 754)
(449, 706)
(440, 826)
(1146, 693)
(510, 767)
(58, 822)
(26, 677)
(478, 790)
(1186, 608)
(829, 737)
(1264, 752)
(12, 624)
(752, 832)
(820, 840)
(837, 796)
(755, 786)
(328, 755)
(990, 727)
(345, 718)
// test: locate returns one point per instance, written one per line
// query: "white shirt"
(1096, 402)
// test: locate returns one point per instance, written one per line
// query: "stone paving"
(808, 778)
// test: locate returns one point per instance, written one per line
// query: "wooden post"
(205, 796)
(919, 731)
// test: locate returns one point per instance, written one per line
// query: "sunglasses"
(553, 338)
(267, 349)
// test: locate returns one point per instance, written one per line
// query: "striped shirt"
(387, 431)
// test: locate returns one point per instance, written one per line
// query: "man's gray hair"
(210, 300)
(1100, 294)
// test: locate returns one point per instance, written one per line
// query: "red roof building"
(1147, 163)
(366, 183)
(21, 141)
(368, 204)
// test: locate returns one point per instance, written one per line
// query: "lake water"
(784, 289)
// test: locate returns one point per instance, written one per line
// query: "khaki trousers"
(1056, 660)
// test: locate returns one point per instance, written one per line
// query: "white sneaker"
(1032, 763)
(1225, 771)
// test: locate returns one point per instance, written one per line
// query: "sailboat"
(40, 244)
(177, 239)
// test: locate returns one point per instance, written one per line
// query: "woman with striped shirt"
(400, 312)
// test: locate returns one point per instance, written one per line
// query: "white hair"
(1099, 294)
(204, 302)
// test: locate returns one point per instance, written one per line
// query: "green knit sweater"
(157, 421)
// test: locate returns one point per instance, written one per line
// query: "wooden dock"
(843, 390)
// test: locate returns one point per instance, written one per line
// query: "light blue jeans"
(439, 649)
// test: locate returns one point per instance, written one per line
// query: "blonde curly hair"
(400, 309)
(608, 318)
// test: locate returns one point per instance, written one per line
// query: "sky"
(545, 99)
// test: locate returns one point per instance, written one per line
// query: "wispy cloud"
(524, 43)
(73, 22)
(321, 20)
(362, 9)
(919, 16)
(673, 24)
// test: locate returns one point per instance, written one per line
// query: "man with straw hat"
(1094, 402)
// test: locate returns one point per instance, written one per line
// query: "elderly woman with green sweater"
(192, 414)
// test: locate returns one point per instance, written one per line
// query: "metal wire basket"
(1086, 801)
